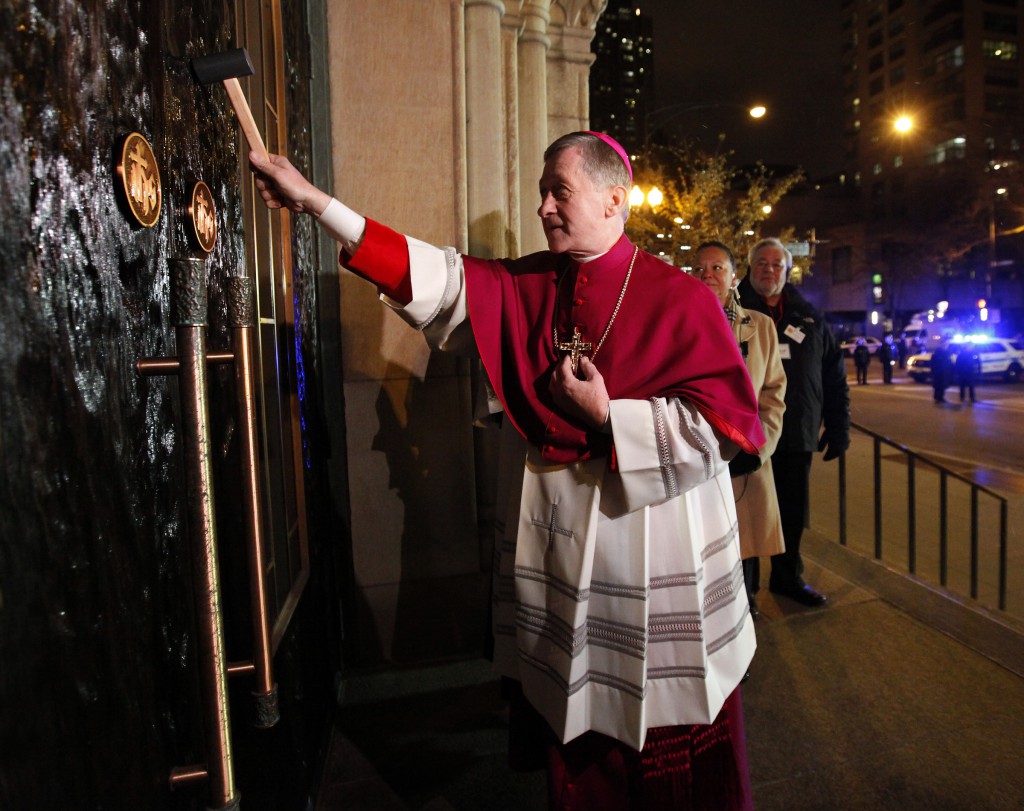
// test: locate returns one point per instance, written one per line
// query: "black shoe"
(801, 593)
(755, 612)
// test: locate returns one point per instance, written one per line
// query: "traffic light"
(877, 289)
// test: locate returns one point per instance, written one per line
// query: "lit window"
(999, 50)
(953, 149)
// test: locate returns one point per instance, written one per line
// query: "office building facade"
(622, 76)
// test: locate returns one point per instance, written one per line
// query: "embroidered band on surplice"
(552, 526)
(687, 428)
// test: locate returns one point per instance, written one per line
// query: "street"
(981, 442)
(984, 440)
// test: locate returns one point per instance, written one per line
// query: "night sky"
(784, 55)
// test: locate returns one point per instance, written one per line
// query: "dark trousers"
(751, 576)
(792, 471)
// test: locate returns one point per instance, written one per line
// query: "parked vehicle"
(999, 358)
(915, 338)
(873, 345)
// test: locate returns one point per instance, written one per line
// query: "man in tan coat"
(757, 506)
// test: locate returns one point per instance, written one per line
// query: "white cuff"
(343, 225)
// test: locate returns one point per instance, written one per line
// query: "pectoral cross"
(576, 348)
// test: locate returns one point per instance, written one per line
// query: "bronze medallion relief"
(203, 213)
(141, 179)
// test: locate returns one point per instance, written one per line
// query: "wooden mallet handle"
(245, 119)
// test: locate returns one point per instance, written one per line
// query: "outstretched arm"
(281, 185)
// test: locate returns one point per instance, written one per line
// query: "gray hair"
(770, 242)
(601, 163)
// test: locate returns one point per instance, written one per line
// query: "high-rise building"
(622, 79)
(950, 74)
(934, 108)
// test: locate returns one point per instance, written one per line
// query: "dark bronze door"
(100, 638)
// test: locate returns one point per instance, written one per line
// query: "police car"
(999, 358)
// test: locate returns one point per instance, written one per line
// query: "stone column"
(511, 26)
(486, 182)
(572, 28)
(534, 44)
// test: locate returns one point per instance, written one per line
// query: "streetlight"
(653, 197)
(949, 142)
(993, 260)
(673, 111)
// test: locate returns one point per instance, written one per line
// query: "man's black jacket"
(816, 388)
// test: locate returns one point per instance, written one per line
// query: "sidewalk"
(905, 698)
(893, 696)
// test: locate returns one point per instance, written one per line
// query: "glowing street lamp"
(903, 124)
(653, 198)
(661, 116)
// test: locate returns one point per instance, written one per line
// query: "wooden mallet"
(227, 67)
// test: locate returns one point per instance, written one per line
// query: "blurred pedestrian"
(757, 505)
(816, 394)
(968, 369)
(861, 359)
(941, 368)
(886, 356)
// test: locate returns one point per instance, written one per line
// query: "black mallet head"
(226, 67)
(218, 67)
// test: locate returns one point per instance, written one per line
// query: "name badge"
(784, 351)
(794, 334)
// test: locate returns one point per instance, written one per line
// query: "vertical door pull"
(241, 300)
(188, 297)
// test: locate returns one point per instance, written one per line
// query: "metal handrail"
(945, 474)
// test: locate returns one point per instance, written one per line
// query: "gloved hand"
(744, 463)
(833, 444)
